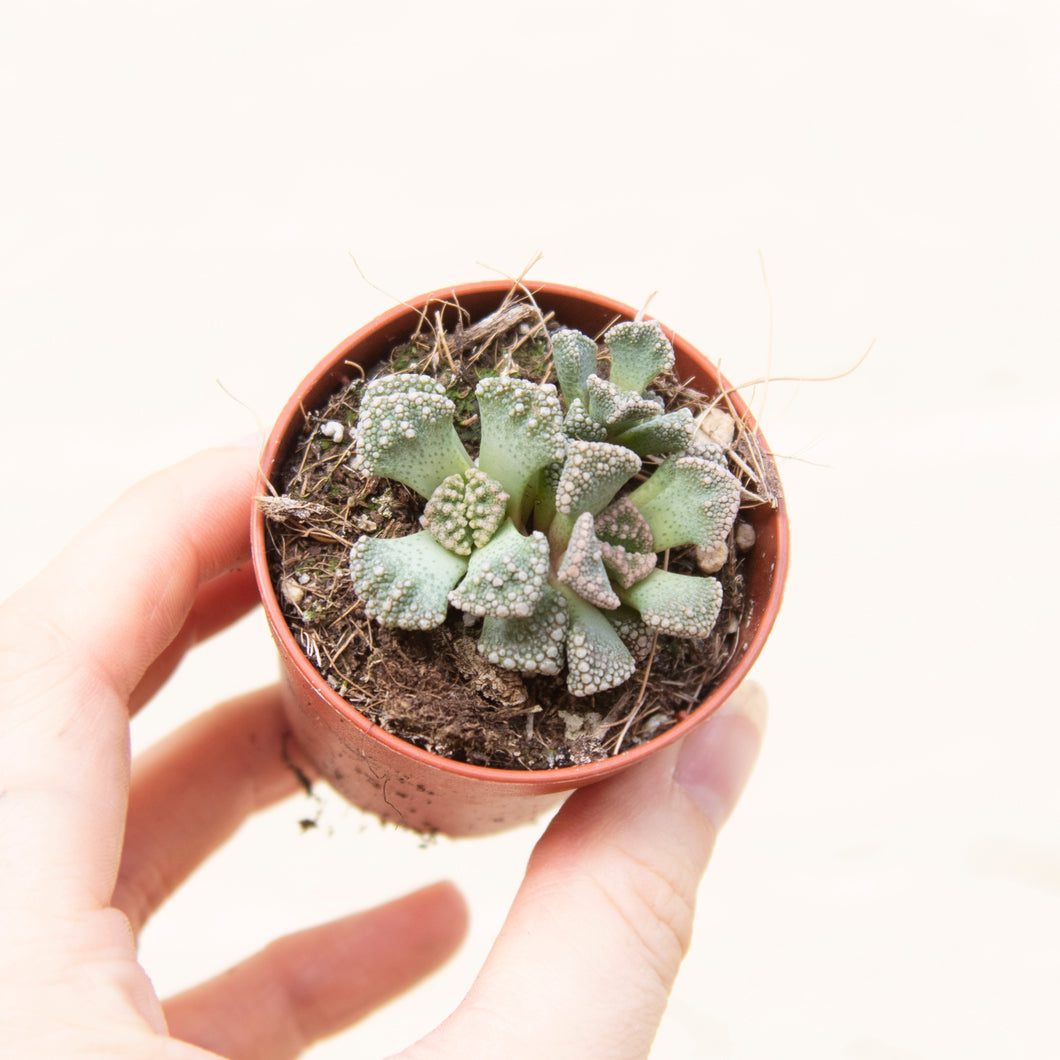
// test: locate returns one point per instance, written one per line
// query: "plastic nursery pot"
(393, 778)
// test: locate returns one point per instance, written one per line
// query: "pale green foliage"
(671, 432)
(464, 512)
(408, 434)
(522, 431)
(582, 567)
(640, 353)
(618, 410)
(682, 605)
(534, 644)
(596, 657)
(694, 503)
(574, 356)
(579, 424)
(537, 538)
(592, 474)
(405, 581)
(506, 577)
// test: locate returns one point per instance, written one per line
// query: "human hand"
(90, 845)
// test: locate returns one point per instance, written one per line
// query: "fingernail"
(717, 759)
(253, 440)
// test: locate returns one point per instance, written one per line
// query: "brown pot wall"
(393, 778)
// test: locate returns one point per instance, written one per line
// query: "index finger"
(76, 641)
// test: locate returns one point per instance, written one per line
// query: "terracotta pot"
(390, 777)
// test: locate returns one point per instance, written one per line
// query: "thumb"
(592, 945)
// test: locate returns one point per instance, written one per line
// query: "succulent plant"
(539, 536)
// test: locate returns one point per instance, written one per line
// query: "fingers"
(120, 592)
(75, 642)
(218, 604)
(192, 791)
(606, 907)
(312, 984)
(188, 795)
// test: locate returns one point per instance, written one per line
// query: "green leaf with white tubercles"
(464, 512)
(544, 491)
(696, 504)
(507, 577)
(533, 644)
(592, 474)
(620, 523)
(579, 424)
(582, 566)
(522, 432)
(654, 484)
(640, 352)
(405, 432)
(405, 581)
(660, 435)
(574, 357)
(627, 567)
(681, 605)
(709, 451)
(596, 657)
(402, 383)
(633, 631)
(617, 409)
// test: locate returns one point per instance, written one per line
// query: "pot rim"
(560, 776)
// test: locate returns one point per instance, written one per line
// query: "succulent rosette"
(542, 537)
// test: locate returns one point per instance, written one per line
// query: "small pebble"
(717, 426)
(293, 592)
(710, 560)
(744, 536)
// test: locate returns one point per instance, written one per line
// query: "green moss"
(466, 417)
(534, 361)
(382, 503)
(406, 358)
(462, 394)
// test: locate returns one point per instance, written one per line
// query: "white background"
(181, 192)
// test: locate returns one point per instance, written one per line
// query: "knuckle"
(48, 683)
(29, 644)
(37, 658)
